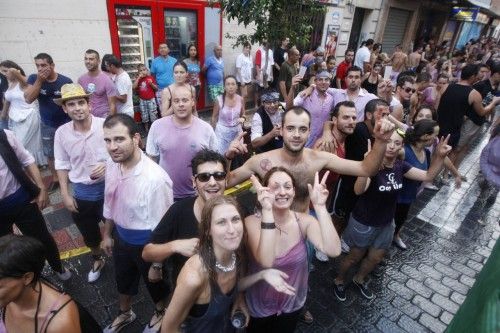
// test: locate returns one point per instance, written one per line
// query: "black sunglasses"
(205, 176)
(410, 89)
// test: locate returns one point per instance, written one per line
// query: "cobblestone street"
(450, 236)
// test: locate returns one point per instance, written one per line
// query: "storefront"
(473, 24)
(138, 27)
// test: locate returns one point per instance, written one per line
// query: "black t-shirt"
(454, 104)
(178, 222)
(279, 55)
(487, 93)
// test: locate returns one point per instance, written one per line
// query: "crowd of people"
(332, 146)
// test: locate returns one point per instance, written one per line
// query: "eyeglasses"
(408, 90)
(205, 176)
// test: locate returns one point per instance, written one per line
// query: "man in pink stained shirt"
(21, 201)
(137, 194)
(175, 139)
(99, 85)
(80, 156)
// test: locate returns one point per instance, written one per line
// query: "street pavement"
(450, 236)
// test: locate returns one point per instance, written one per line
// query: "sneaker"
(432, 187)
(344, 247)
(95, 273)
(154, 325)
(399, 243)
(339, 291)
(321, 256)
(378, 271)
(64, 276)
(363, 288)
(123, 319)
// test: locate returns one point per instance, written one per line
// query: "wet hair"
(422, 107)
(125, 120)
(419, 129)
(182, 64)
(91, 51)
(336, 109)
(205, 246)
(189, 48)
(369, 42)
(44, 56)
(423, 77)
(372, 105)
(11, 64)
(273, 170)
(298, 110)
(224, 93)
(105, 60)
(353, 69)
(113, 60)
(469, 71)
(403, 79)
(20, 255)
(207, 155)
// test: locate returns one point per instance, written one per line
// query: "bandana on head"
(271, 96)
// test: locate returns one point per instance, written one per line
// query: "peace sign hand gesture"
(443, 148)
(318, 193)
(264, 194)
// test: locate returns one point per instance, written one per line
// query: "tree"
(273, 19)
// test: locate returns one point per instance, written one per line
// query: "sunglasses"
(205, 176)
(408, 90)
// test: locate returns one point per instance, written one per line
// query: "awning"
(486, 4)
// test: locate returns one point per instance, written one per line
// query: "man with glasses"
(405, 88)
(266, 123)
(174, 140)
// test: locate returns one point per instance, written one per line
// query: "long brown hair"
(205, 246)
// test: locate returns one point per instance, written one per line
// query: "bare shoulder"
(262, 163)
(67, 319)
(192, 274)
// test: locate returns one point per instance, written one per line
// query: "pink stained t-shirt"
(8, 183)
(176, 146)
(101, 87)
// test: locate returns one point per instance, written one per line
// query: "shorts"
(215, 91)
(48, 133)
(468, 133)
(148, 110)
(87, 220)
(129, 267)
(363, 236)
(454, 138)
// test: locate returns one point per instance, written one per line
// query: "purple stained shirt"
(340, 95)
(101, 87)
(320, 112)
(176, 146)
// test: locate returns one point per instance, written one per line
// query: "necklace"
(228, 268)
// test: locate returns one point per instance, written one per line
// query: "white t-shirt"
(124, 86)
(363, 55)
(245, 64)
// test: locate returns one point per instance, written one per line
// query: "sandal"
(306, 317)
(154, 324)
(124, 318)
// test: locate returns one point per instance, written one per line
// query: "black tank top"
(453, 106)
(370, 87)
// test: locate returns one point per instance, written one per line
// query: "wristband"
(267, 225)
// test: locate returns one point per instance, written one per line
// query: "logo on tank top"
(91, 88)
(391, 184)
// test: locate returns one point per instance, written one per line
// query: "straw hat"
(71, 91)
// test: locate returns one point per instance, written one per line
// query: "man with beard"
(342, 69)
(405, 89)
(319, 104)
(137, 194)
(266, 123)
(99, 85)
(176, 236)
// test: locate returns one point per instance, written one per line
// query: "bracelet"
(267, 225)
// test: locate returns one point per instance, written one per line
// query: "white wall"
(62, 28)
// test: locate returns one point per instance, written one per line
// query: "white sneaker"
(344, 247)
(321, 256)
(123, 319)
(64, 276)
(94, 274)
(399, 243)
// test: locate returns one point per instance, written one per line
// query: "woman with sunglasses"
(209, 285)
(181, 80)
(27, 302)
(277, 238)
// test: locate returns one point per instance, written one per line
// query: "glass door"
(181, 30)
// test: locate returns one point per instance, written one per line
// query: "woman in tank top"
(277, 238)
(209, 285)
(372, 78)
(181, 79)
(29, 304)
(24, 118)
(228, 114)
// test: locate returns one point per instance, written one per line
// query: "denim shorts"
(48, 133)
(363, 236)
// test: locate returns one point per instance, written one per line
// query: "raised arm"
(438, 157)
(477, 103)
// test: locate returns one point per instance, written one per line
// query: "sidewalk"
(450, 235)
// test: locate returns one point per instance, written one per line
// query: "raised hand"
(443, 149)
(264, 194)
(369, 147)
(383, 130)
(237, 147)
(318, 192)
(276, 279)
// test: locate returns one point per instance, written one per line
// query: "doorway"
(357, 22)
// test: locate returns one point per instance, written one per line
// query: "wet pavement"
(450, 236)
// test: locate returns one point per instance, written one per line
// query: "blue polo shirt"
(215, 71)
(163, 70)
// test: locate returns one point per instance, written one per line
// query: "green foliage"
(273, 19)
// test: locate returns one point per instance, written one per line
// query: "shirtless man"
(305, 162)
(415, 57)
(399, 61)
